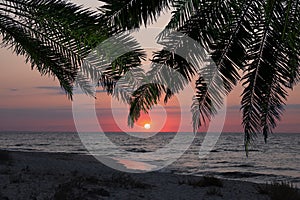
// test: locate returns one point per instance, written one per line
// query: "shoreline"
(227, 175)
(43, 175)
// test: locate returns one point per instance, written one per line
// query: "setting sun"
(147, 126)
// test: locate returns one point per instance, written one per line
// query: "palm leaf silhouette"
(54, 36)
(259, 38)
(131, 14)
(270, 71)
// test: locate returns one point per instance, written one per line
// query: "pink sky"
(34, 103)
(30, 102)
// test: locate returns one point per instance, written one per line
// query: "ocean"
(278, 160)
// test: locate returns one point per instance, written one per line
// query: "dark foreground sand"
(60, 176)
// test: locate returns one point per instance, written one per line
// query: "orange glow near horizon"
(143, 120)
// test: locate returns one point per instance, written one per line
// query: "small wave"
(215, 151)
(42, 144)
(282, 168)
(19, 145)
(81, 150)
(243, 165)
(138, 150)
(236, 174)
(20, 149)
(222, 162)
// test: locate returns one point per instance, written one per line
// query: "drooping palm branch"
(54, 36)
(261, 39)
(273, 66)
(112, 62)
(224, 37)
(159, 81)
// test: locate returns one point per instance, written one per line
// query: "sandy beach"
(28, 175)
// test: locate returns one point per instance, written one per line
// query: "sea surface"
(278, 160)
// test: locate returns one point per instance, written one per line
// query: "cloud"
(13, 89)
(58, 90)
(48, 88)
(80, 91)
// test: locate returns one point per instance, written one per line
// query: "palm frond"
(126, 67)
(131, 14)
(115, 64)
(142, 100)
(171, 70)
(269, 73)
(183, 10)
(54, 36)
(290, 38)
(224, 37)
(178, 64)
(242, 34)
